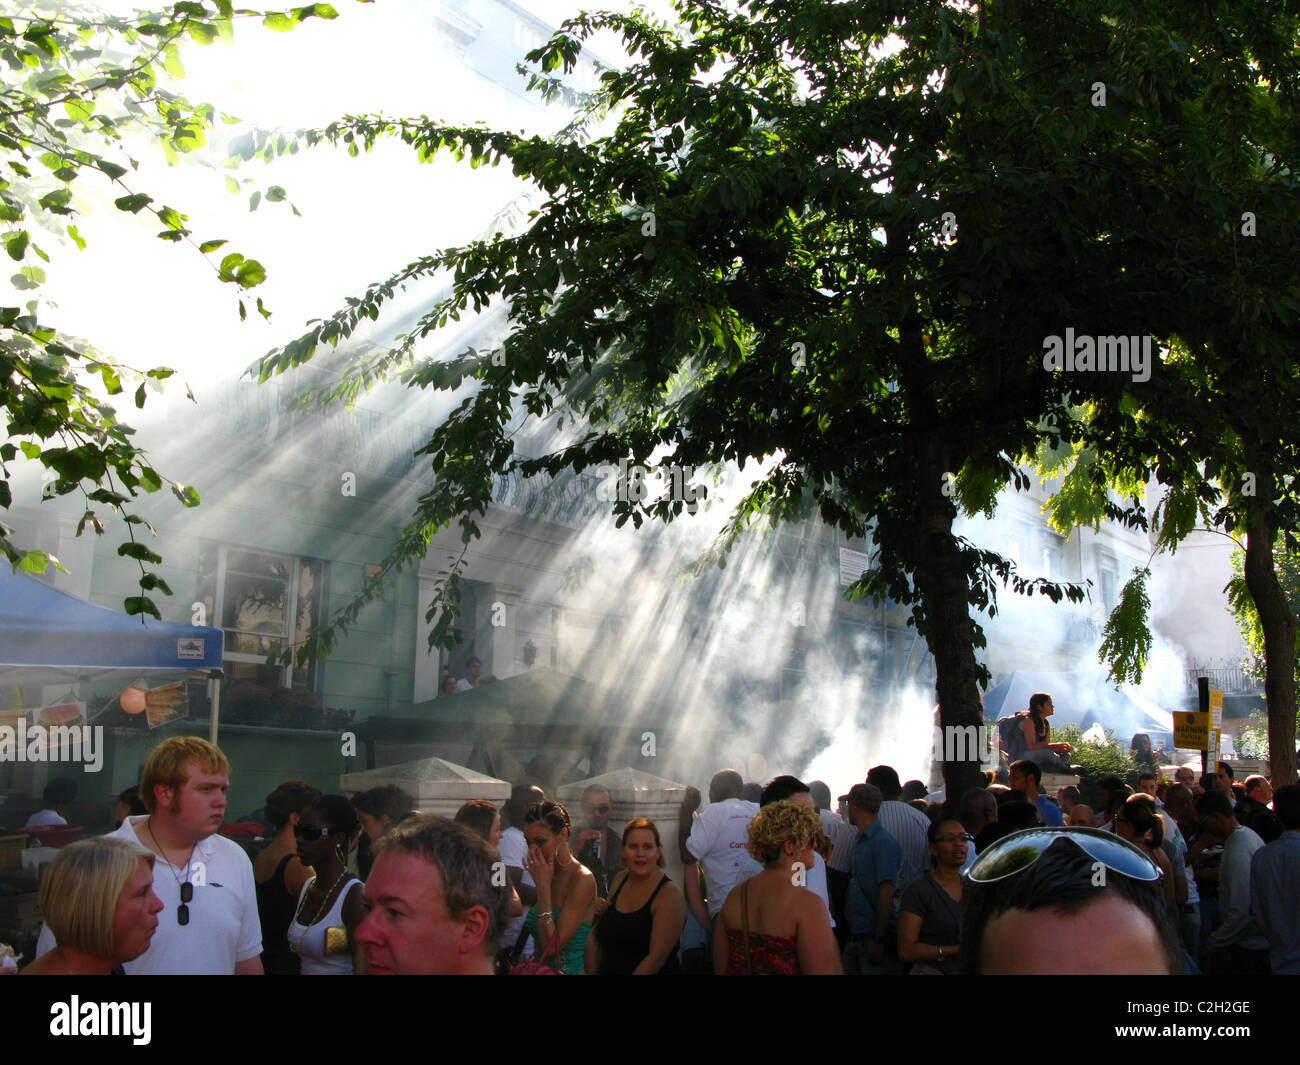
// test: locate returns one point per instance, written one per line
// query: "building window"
(266, 603)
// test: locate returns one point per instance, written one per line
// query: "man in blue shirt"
(877, 858)
(1026, 776)
(1275, 885)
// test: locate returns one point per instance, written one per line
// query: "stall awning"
(49, 637)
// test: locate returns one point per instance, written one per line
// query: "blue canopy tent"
(1080, 698)
(50, 637)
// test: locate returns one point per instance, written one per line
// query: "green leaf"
(28, 278)
(253, 201)
(79, 110)
(140, 604)
(76, 238)
(132, 203)
(171, 61)
(111, 169)
(149, 479)
(32, 451)
(232, 186)
(16, 245)
(251, 274)
(278, 21)
(185, 493)
(211, 245)
(138, 552)
(171, 218)
(33, 562)
(275, 194)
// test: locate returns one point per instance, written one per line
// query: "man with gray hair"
(877, 858)
(436, 899)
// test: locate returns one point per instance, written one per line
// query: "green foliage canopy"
(81, 90)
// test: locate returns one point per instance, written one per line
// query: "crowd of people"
(1170, 877)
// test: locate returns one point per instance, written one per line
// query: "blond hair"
(166, 766)
(81, 888)
(778, 822)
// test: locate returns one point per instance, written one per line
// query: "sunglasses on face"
(1017, 852)
(953, 837)
(309, 833)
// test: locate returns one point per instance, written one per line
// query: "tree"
(1256, 739)
(1220, 436)
(798, 250)
(84, 90)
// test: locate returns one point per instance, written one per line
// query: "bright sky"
(146, 302)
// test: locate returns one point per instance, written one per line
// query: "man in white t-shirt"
(513, 849)
(209, 923)
(473, 670)
(717, 837)
(58, 793)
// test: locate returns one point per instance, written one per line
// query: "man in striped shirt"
(905, 823)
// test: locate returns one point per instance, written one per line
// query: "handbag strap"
(744, 919)
(552, 944)
(519, 943)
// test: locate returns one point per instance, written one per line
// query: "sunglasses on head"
(1017, 852)
(309, 833)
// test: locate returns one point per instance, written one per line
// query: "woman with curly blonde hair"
(771, 924)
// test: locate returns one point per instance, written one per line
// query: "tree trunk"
(942, 580)
(1278, 626)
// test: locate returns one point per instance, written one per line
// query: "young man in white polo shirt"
(209, 923)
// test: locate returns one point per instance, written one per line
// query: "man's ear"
(163, 796)
(474, 929)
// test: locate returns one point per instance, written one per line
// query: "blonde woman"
(98, 901)
(771, 924)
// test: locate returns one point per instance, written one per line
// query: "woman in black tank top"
(279, 876)
(640, 941)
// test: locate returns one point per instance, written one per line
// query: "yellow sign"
(1191, 730)
(1216, 708)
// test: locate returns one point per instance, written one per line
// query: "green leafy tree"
(82, 90)
(802, 247)
(1254, 739)
(1220, 435)
(1287, 563)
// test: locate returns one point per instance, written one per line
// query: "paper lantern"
(132, 700)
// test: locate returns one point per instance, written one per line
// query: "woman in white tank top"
(323, 930)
